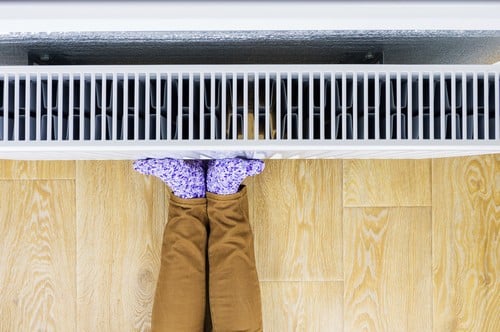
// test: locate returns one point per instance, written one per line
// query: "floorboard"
(120, 223)
(297, 216)
(36, 170)
(37, 264)
(384, 183)
(466, 243)
(387, 276)
(302, 306)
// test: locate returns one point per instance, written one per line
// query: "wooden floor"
(340, 245)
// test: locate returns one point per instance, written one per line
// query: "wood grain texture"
(120, 222)
(379, 183)
(466, 243)
(37, 264)
(302, 306)
(387, 262)
(296, 213)
(36, 170)
(95, 268)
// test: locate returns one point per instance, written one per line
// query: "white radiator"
(257, 111)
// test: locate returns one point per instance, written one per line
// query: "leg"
(179, 303)
(180, 298)
(233, 282)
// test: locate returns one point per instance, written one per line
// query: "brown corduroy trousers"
(208, 238)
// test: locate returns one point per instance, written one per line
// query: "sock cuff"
(227, 197)
(186, 201)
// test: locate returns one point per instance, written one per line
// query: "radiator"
(255, 111)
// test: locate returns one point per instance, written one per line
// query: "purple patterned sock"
(186, 178)
(224, 176)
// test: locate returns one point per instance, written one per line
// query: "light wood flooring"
(353, 245)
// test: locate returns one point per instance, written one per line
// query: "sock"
(186, 178)
(224, 176)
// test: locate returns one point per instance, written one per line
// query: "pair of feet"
(193, 178)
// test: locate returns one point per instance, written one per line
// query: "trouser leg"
(179, 303)
(234, 290)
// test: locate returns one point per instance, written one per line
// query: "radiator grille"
(247, 109)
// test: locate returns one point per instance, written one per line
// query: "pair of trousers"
(208, 243)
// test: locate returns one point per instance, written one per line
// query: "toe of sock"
(143, 166)
(155, 166)
(255, 167)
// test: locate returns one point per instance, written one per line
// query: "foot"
(186, 178)
(224, 176)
